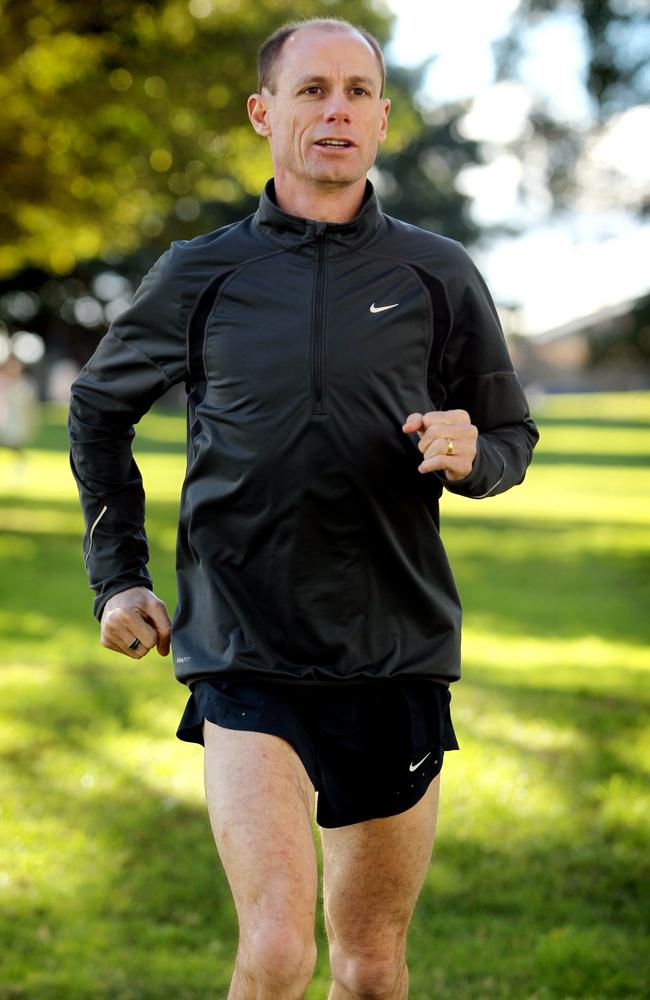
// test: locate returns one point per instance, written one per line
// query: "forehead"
(320, 52)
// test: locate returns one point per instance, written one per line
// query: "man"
(342, 367)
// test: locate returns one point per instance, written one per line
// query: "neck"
(328, 203)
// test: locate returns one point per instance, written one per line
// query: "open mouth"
(334, 143)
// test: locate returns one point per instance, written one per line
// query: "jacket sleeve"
(138, 359)
(477, 374)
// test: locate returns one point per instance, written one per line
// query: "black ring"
(135, 643)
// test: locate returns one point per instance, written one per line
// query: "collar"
(293, 232)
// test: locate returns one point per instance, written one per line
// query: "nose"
(338, 108)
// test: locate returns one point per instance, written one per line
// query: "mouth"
(334, 143)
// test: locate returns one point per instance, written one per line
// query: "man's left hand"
(436, 429)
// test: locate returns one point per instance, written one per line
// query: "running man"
(342, 369)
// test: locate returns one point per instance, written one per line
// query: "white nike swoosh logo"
(414, 767)
(381, 309)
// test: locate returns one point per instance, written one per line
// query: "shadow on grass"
(142, 908)
(153, 917)
(547, 896)
(594, 459)
(603, 722)
(519, 578)
(550, 580)
(592, 423)
(145, 910)
(131, 902)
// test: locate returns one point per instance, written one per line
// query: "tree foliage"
(119, 117)
(124, 127)
(617, 79)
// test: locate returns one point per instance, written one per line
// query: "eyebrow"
(309, 78)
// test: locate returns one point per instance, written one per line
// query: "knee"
(368, 975)
(278, 956)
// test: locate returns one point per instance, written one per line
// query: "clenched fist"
(133, 614)
(436, 429)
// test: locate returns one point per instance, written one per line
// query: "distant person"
(342, 369)
(19, 409)
(61, 375)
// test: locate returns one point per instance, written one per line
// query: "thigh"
(261, 804)
(373, 873)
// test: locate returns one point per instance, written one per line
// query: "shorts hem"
(331, 821)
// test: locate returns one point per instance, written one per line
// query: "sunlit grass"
(110, 886)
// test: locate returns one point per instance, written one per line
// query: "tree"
(118, 117)
(125, 127)
(617, 39)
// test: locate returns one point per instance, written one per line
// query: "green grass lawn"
(110, 885)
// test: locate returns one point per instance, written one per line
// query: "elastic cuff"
(483, 478)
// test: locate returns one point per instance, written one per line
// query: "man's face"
(327, 87)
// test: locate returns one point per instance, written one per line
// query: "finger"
(121, 645)
(462, 437)
(460, 465)
(159, 618)
(109, 645)
(412, 423)
(440, 446)
(123, 625)
(460, 417)
(140, 650)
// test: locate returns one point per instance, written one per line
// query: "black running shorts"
(370, 749)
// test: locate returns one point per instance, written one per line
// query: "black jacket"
(308, 546)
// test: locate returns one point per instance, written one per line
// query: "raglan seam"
(137, 350)
(229, 276)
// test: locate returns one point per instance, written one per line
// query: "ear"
(383, 124)
(258, 112)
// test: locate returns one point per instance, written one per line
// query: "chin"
(337, 176)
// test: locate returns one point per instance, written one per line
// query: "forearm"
(110, 395)
(143, 354)
(112, 500)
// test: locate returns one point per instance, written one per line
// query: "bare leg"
(261, 803)
(372, 876)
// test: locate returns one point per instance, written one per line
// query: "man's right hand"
(135, 614)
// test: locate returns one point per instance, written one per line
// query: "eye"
(360, 90)
(314, 88)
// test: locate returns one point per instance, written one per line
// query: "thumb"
(157, 613)
(414, 422)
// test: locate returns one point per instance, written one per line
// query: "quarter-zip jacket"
(308, 544)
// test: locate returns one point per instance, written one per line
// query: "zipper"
(318, 338)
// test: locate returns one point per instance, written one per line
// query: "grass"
(110, 885)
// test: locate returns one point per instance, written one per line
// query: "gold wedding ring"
(450, 446)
